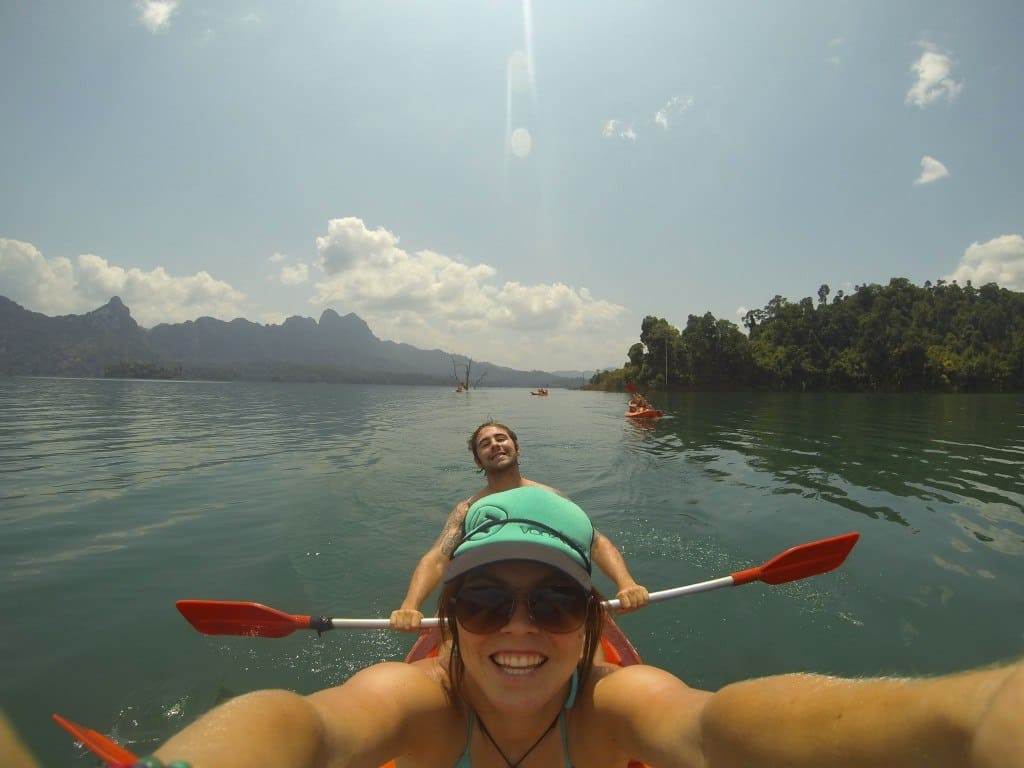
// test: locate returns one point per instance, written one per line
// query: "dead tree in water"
(467, 366)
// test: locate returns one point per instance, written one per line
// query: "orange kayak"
(616, 646)
(647, 413)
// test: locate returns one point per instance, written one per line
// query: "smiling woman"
(518, 687)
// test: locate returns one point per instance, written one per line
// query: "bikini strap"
(465, 761)
(570, 701)
(565, 740)
(574, 685)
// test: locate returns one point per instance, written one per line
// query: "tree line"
(940, 337)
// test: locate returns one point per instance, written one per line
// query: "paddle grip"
(320, 623)
(748, 575)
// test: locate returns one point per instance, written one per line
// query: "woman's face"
(519, 666)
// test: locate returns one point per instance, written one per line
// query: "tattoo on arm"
(449, 541)
(451, 536)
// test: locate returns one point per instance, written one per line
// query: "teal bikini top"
(465, 762)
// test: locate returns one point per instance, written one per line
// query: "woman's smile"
(515, 663)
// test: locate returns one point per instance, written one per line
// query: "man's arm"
(429, 570)
(608, 558)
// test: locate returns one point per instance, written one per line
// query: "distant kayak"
(646, 413)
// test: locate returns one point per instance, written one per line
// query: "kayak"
(646, 413)
(615, 645)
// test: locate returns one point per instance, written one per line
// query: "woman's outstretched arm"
(965, 720)
(378, 713)
(973, 719)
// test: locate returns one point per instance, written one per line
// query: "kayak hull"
(647, 413)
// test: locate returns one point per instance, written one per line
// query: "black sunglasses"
(558, 609)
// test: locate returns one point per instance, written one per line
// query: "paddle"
(220, 617)
(108, 751)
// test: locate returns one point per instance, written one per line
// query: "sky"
(520, 182)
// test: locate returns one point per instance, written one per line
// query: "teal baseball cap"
(528, 523)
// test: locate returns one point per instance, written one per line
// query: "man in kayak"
(520, 688)
(495, 450)
(638, 403)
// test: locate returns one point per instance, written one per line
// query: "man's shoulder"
(521, 482)
(461, 509)
(535, 484)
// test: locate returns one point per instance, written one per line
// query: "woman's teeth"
(518, 663)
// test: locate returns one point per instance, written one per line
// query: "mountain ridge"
(333, 348)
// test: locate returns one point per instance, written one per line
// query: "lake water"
(119, 497)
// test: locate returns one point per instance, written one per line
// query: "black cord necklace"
(517, 763)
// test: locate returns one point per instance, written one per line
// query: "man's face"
(495, 449)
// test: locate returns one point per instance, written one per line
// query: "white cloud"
(931, 170)
(59, 286)
(672, 109)
(155, 15)
(1000, 261)
(294, 275)
(431, 300)
(37, 283)
(933, 78)
(616, 129)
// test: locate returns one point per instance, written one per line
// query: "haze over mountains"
(335, 348)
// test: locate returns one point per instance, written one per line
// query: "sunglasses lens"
(482, 610)
(558, 609)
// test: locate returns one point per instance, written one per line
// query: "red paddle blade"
(800, 562)
(107, 750)
(630, 387)
(227, 617)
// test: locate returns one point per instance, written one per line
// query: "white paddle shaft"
(689, 589)
(665, 594)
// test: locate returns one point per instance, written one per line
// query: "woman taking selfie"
(520, 687)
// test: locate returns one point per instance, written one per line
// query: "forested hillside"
(941, 337)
